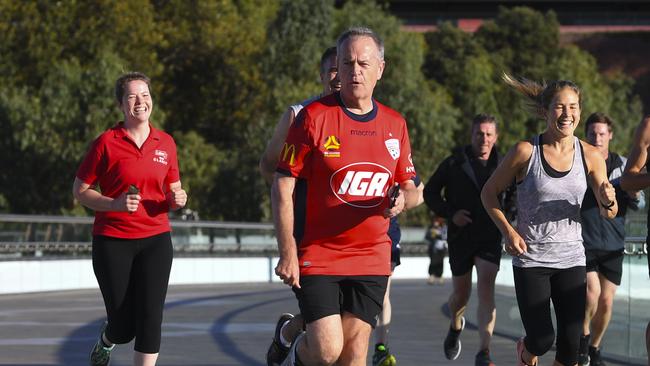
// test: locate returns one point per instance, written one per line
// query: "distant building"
(575, 16)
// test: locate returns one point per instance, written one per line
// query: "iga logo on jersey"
(362, 185)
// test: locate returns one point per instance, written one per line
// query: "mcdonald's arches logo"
(289, 154)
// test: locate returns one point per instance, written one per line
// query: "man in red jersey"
(351, 150)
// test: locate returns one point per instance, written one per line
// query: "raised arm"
(94, 200)
(635, 178)
(600, 185)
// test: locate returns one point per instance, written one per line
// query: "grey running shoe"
(594, 357)
(101, 355)
(583, 351)
(483, 358)
(277, 351)
(452, 341)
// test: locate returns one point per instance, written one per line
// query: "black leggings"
(133, 275)
(535, 287)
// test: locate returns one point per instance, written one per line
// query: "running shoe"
(452, 341)
(520, 353)
(277, 351)
(100, 354)
(583, 351)
(594, 357)
(292, 358)
(382, 357)
(483, 358)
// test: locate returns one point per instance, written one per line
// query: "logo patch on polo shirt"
(160, 156)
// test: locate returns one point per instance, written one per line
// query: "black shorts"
(324, 295)
(607, 263)
(461, 255)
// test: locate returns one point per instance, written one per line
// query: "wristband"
(608, 207)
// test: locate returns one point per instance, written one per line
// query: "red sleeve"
(405, 169)
(93, 164)
(297, 148)
(173, 174)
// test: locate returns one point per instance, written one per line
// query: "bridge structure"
(224, 300)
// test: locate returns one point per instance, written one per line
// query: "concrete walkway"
(220, 325)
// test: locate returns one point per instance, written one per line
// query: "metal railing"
(44, 236)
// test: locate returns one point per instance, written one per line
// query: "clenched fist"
(176, 198)
(607, 194)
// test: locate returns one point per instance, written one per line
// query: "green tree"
(199, 163)
(47, 132)
(455, 59)
(214, 85)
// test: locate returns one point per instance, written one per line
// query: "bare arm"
(512, 167)
(176, 197)
(600, 185)
(94, 200)
(282, 204)
(634, 178)
(271, 155)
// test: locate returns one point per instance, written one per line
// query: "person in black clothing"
(636, 178)
(454, 192)
(436, 237)
(604, 241)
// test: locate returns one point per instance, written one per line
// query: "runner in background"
(604, 241)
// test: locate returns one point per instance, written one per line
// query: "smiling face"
(136, 103)
(359, 67)
(563, 113)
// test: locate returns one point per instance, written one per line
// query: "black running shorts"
(607, 263)
(324, 295)
(461, 255)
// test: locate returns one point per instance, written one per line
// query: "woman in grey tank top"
(552, 172)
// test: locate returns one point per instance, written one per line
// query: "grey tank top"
(548, 213)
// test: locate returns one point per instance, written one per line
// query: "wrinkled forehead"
(358, 44)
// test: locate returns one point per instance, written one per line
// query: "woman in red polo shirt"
(135, 168)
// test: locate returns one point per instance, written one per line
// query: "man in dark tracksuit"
(604, 241)
(454, 192)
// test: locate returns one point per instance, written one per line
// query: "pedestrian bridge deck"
(225, 324)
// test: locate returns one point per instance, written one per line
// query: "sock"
(283, 340)
(101, 340)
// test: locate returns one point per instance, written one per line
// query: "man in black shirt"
(454, 192)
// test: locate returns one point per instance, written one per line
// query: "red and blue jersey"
(349, 162)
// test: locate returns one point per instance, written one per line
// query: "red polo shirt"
(114, 162)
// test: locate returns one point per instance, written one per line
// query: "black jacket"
(454, 187)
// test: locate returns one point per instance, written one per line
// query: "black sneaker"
(452, 341)
(594, 357)
(277, 351)
(483, 358)
(583, 350)
(100, 354)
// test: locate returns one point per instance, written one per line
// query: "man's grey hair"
(361, 32)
